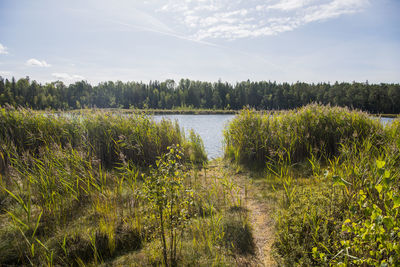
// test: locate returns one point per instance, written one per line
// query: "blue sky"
(231, 40)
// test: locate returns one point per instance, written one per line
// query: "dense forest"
(375, 98)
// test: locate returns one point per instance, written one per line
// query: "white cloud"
(286, 5)
(38, 63)
(232, 19)
(5, 73)
(67, 77)
(3, 50)
(332, 9)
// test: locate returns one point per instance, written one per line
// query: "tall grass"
(107, 136)
(75, 190)
(253, 138)
(347, 216)
(338, 171)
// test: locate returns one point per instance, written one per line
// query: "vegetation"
(297, 134)
(79, 190)
(336, 175)
(187, 94)
(183, 111)
(112, 189)
(108, 136)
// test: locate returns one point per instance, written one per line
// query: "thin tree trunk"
(171, 241)
(163, 235)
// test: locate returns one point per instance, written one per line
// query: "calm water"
(209, 127)
(385, 120)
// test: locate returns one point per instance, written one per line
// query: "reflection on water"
(209, 127)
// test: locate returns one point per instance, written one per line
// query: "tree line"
(375, 98)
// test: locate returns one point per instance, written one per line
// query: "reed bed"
(254, 138)
(335, 173)
(87, 190)
(105, 135)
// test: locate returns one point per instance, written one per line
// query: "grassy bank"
(334, 174)
(393, 116)
(150, 111)
(112, 189)
(106, 135)
(79, 190)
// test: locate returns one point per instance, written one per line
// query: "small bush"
(349, 215)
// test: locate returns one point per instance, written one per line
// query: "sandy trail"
(262, 229)
(260, 217)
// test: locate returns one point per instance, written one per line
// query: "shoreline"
(160, 111)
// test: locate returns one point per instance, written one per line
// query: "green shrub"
(349, 215)
(371, 229)
(169, 202)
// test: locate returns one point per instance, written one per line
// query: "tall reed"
(254, 138)
(73, 192)
(108, 136)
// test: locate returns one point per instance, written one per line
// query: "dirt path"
(260, 216)
(260, 213)
(262, 229)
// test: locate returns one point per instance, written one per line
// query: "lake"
(386, 120)
(209, 127)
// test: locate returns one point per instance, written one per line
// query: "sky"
(208, 40)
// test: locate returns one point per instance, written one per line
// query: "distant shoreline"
(163, 111)
(190, 111)
(387, 115)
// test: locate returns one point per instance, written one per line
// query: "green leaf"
(388, 221)
(37, 224)
(16, 219)
(362, 195)
(315, 252)
(16, 197)
(380, 164)
(378, 188)
(396, 202)
(40, 243)
(33, 249)
(386, 181)
(337, 180)
(387, 174)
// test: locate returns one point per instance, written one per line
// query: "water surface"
(209, 127)
(385, 120)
